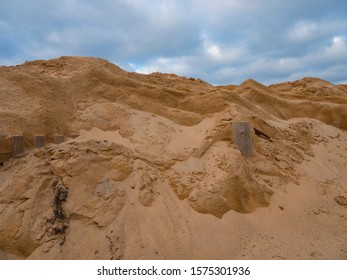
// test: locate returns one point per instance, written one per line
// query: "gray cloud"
(221, 41)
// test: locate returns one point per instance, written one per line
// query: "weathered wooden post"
(18, 145)
(337, 124)
(39, 141)
(58, 139)
(242, 136)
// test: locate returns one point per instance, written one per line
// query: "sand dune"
(155, 172)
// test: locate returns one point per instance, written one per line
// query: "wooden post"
(242, 136)
(39, 141)
(17, 145)
(337, 123)
(58, 139)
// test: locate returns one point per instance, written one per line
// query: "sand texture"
(149, 169)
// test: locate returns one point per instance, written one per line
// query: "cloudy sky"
(220, 41)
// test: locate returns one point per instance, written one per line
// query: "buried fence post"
(17, 145)
(58, 139)
(241, 132)
(39, 141)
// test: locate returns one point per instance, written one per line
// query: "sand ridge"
(155, 172)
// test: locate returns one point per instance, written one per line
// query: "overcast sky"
(220, 41)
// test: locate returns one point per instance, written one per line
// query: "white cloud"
(198, 64)
(210, 48)
(214, 51)
(303, 31)
(221, 53)
(337, 49)
(176, 65)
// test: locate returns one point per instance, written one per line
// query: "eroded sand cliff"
(155, 172)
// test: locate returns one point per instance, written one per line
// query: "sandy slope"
(155, 173)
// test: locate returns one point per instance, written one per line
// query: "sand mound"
(155, 172)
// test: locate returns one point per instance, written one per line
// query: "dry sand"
(155, 172)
